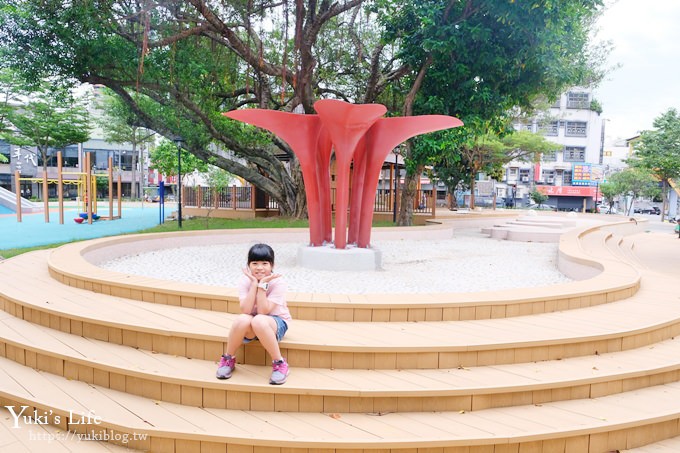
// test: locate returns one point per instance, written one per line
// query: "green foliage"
(9, 253)
(538, 197)
(179, 85)
(610, 190)
(218, 179)
(495, 55)
(51, 118)
(164, 159)
(658, 151)
(102, 182)
(458, 155)
(527, 145)
(11, 90)
(595, 106)
(484, 59)
(119, 123)
(445, 162)
(633, 182)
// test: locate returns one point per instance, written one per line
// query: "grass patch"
(8, 253)
(198, 224)
(201, 223)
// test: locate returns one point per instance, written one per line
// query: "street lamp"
(178, 142)
(395, 151)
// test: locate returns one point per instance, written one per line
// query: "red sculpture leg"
(346, 124)
(302, 133)
(357, 192)
(323, 167)
(381, 139)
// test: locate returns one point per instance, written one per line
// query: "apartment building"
(570, 176)
(28, 162)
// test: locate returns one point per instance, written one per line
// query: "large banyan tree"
(179, 64)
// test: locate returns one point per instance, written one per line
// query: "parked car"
(606, 209)
(647, 210)
(542, 207)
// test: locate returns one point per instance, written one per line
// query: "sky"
(646, 39)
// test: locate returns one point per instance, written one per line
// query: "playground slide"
(9, 200)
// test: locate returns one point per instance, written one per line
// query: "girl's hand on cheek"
(249, 274)
(270, 277)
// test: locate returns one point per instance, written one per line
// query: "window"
(566, 178)
(69, 156)
(576, 129)
(576, 100)
(548, 176)
(513, 171)
(574, 154)
(550, 128)
(556, 104)
(524, 175)
(549, 157)
(51, 157)
(122, 159)
(527, 127)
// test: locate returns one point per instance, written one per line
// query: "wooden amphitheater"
(588, 366)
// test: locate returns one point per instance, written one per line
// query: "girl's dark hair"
(261, 252)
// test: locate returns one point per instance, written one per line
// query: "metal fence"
(242, 198)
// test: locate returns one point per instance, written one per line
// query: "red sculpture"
(357, 133)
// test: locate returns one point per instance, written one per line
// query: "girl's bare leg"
(264, 327)
(240, 328)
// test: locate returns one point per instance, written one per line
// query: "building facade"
(570, 176)
(28, 162)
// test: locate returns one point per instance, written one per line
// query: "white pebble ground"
(468, 262)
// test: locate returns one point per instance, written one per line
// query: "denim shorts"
(281, 329)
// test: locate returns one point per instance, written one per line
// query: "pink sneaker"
(226, 367)
(279, 372)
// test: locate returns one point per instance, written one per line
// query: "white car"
(606, 209)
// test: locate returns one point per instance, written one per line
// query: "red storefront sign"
(567, 191)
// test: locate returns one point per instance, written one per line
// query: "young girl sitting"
(264, 314)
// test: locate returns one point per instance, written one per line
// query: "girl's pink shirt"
(276, 293)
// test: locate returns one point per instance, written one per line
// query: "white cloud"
(645, 36)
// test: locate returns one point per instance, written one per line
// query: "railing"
(242, 198)
(227, 198)
(384, 201)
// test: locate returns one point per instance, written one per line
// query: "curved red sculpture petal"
(303, 133)
(346, 123)
(385, 135)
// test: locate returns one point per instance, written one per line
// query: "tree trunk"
(453, 200)
(664, 199)
(300, 209)
(405, 217)
(408, 194)
(472, 191)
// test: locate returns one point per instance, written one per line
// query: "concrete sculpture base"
(328, 258)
